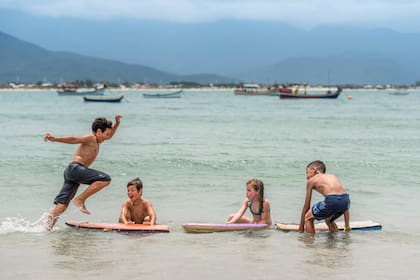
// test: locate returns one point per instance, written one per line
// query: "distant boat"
(328, 94)
(255, 89)
(176, 94)
(103, 98)
(73, 90)
(291, 90)
(285, 90)
(399, 93)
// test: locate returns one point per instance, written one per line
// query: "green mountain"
(25, 62)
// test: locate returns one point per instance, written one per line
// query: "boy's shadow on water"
(86, 249)
(327, 249)
(83, 249)
(73, 250)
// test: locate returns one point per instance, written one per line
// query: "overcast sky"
(399, 15)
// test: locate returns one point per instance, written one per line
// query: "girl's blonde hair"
(258, 186)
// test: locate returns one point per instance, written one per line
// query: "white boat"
(255, 89)
(328, 94)
(74, 90)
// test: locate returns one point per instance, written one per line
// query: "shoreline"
(206, 89)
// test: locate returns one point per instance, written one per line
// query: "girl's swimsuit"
(259, 213)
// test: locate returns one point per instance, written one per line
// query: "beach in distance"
(194, 155)
(208, 89)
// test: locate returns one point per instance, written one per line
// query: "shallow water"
(194, 156)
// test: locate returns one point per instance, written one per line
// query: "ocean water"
(194, 156)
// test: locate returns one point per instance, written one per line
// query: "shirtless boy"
(137, 210)
(78, 171)
(336, 203)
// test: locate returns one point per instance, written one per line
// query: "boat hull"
(99, 91)
(176, 94)
(327, 95)
(95, 98)
(259, 92)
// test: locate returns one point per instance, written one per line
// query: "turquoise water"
(194, 156)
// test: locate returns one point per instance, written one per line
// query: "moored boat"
(103, 98)
(74, 90)
(285, 90)
(399, 93)
(255, 89)
(328, 94)
(176, 94)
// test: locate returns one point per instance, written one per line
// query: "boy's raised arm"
(116, 125)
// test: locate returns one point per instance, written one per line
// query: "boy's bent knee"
(309, 216)
(106, 183)
(106, 178)
(101, 184)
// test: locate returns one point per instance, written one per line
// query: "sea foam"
(20, 224)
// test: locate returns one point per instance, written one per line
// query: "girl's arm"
(266, 215)
(240, 213)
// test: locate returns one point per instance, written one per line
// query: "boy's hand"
(118, 118)
(48, 137)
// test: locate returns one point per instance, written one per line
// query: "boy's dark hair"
(318, 165)
(101, 123)
(136, 182)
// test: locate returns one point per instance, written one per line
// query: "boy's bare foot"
(51, 222)
(81, 206)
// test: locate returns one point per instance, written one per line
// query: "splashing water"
(20, 224)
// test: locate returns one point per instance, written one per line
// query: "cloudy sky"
(401, 15)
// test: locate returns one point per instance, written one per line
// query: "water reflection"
(328, 250)
(75, 250)
(96, 251)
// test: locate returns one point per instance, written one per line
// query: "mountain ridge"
(328, 54)
(226, 47)
(28, 62)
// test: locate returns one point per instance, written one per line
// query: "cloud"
(400, 15)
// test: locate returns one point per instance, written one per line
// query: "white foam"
(20, 224)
